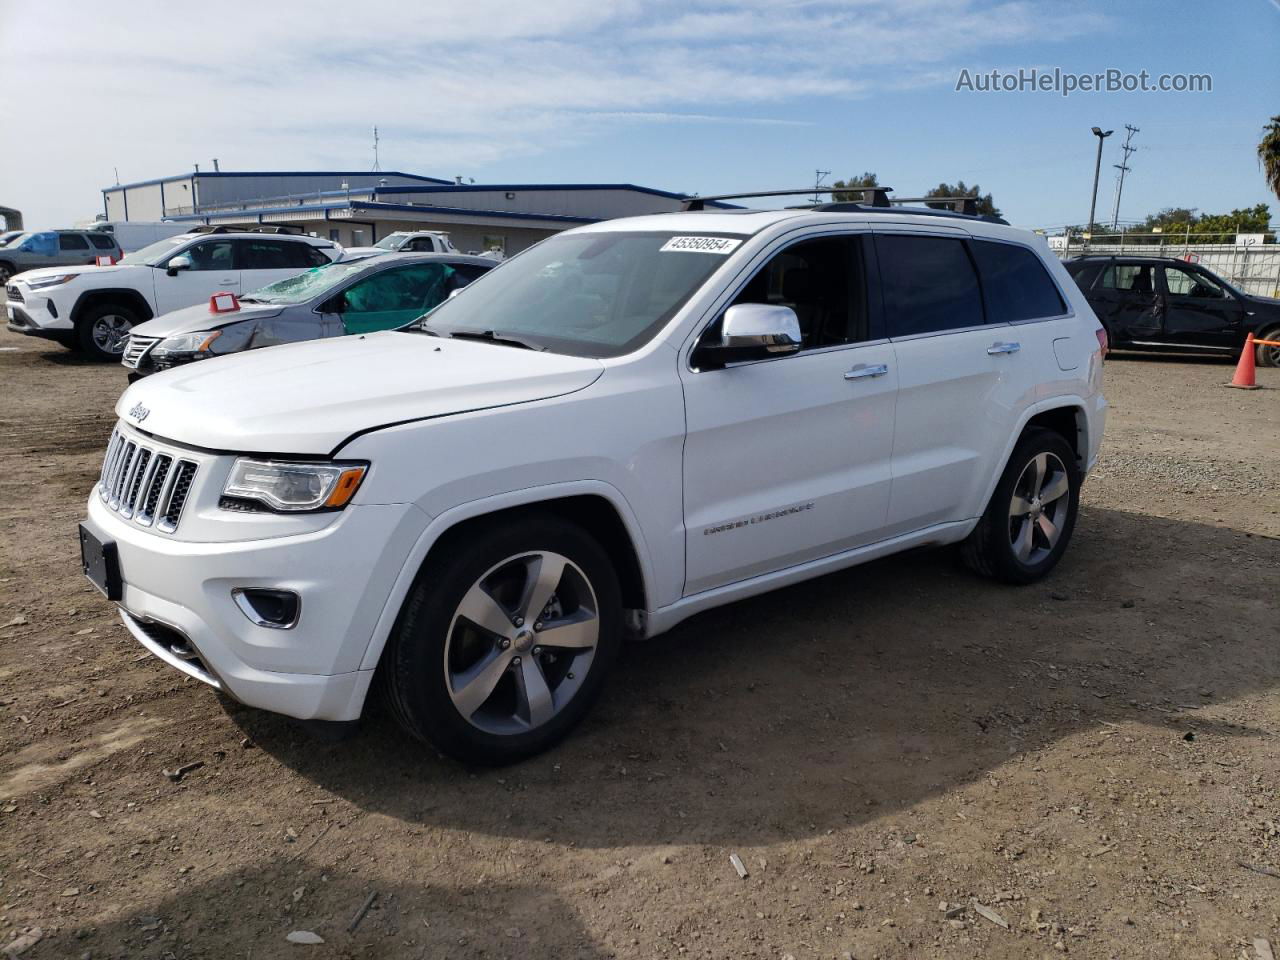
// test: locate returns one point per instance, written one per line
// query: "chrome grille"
(136, 348)
(144, 484)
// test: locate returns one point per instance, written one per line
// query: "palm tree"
(1269, 154)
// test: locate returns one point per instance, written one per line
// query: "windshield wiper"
(488, 336)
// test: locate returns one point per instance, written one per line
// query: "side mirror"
(752, 331)
(180, 262)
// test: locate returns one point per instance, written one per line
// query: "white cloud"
(151, 87)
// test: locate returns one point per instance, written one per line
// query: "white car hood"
(39, 272)
(308, 398)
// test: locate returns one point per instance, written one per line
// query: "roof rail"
(874, 200)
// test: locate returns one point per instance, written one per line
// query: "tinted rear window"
(1016, 284)
(72, 241)
(929, 284)
(103, 241)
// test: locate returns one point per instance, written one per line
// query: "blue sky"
(691, 95)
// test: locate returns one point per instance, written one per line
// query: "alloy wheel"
(110, 332)
(1038, 508)
(521, 643)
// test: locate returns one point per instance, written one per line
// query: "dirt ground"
(1090, 761)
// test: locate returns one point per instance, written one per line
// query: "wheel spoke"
(536, 703)
(473, 687)
(1041, 466)
(1055, 488)
(1020, 506)
(485, 612)
(1048, 528)
(1022, 546)
(579, 634)
(544, 576)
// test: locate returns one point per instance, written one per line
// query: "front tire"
(1032, 513)
(103, 328)
(6, 271)
(505, 640)
(1268, 356)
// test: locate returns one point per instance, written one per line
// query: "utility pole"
(376, 168)
(1097, 169)
(1123, 167)
(818, 176)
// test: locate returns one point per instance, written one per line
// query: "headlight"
(197, 342)
(291, 487)
(43, 283)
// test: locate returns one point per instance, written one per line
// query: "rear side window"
(103, 241)
(929, 284)
(72, 241)
(1015, 283)
(274, 255)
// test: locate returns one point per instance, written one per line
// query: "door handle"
(862, 370)
(998, 348)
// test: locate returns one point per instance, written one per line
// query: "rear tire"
(1268, 356)
(475, 670)
(102, 330)
(1032, 513)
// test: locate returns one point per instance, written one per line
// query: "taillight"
(1101, 334)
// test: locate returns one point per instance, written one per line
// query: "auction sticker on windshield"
(720, 245)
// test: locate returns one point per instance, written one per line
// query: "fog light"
(277, 609)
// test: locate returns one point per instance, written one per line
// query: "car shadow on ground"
(405, 921)
(853, 695)
(1210, 360)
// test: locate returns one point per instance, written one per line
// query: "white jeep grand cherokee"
(626, 424)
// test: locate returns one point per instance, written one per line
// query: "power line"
(1123, 167)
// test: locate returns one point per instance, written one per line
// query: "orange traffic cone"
(1244, 378)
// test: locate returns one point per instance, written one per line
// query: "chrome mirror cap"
(773, 328)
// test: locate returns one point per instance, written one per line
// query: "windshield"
(392, 241)
(585, 294)
(12, 239)
(306, 286)
(156, 253)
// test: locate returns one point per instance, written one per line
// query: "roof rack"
(225, 228)
(874, 200)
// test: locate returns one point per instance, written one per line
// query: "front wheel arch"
(1266, 356)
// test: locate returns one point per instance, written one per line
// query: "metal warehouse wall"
(214, 189)
(595, 204)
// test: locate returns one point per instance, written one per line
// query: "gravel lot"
(908, 761)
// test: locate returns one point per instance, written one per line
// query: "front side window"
(928, 283)
(593, 294)
(72, 241)
(1188, 283)
(1128, 278)
(210, 255)
(1015, 283)
(393, 298)
(823, 281)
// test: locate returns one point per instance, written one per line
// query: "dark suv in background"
(1159, 303)
(56, 248)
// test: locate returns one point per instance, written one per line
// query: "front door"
(1199, 311)
(394, 297)
(788, 460)
(212, 271)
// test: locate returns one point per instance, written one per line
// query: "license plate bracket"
(101, 564)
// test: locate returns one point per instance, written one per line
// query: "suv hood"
(39, 272)
(198, 317)
(308, 398)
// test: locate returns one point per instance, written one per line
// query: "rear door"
(787, 460)
(74, 250)
(1199, 311)
(1126, 297)
(960, 379)
(212, 271)
(267, 259)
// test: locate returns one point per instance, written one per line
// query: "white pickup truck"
(626, 424)
(93, 308)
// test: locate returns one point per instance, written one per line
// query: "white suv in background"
(93, 308)
(626, 424)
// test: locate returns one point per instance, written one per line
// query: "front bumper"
(177, 602)
(36, 316)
